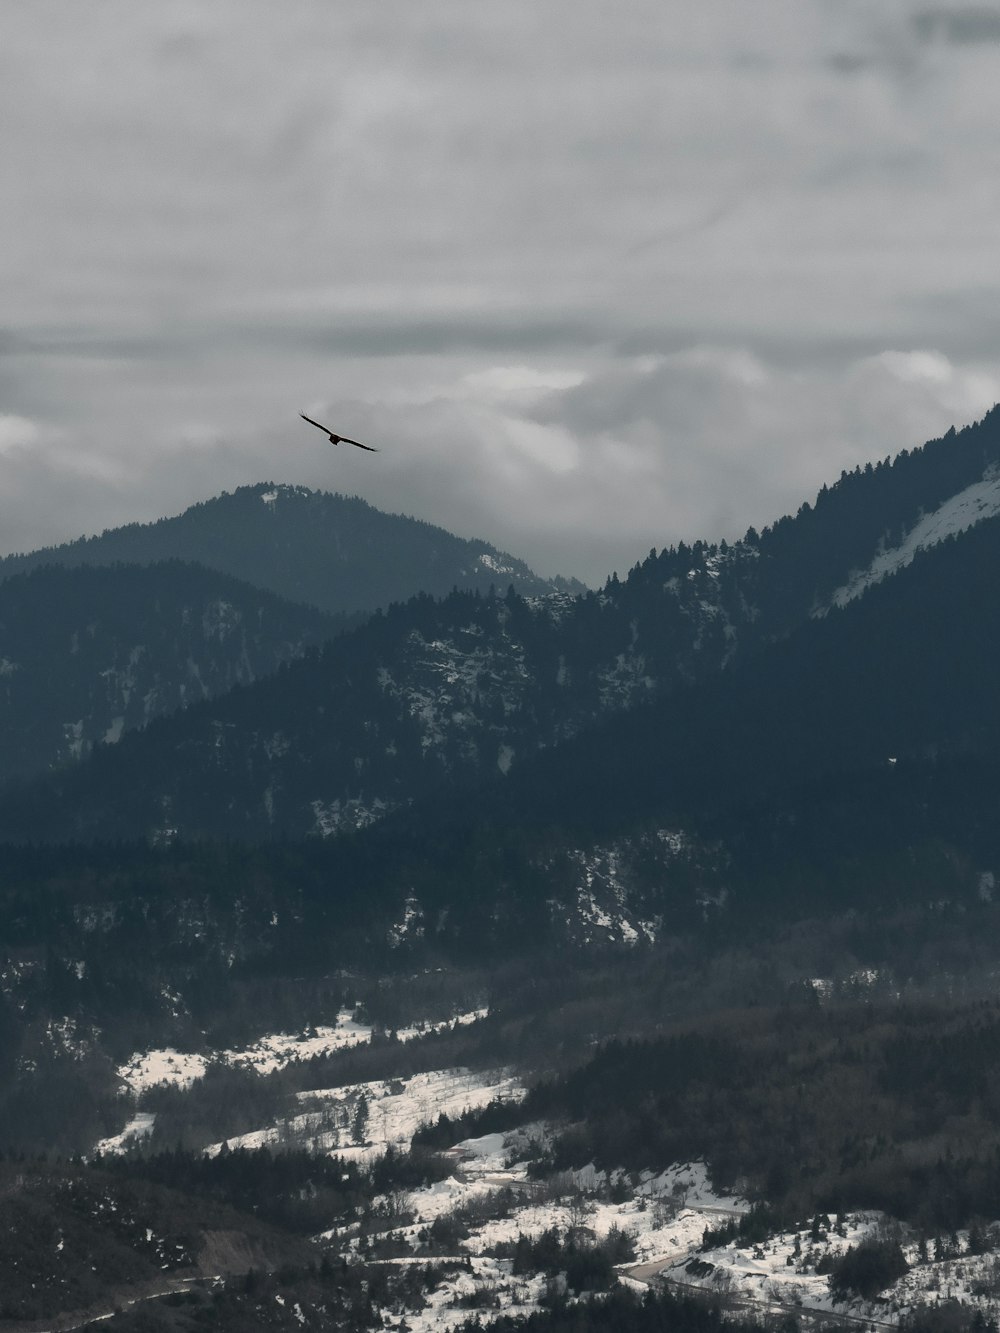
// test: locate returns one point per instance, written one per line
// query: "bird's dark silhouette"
(338, 439)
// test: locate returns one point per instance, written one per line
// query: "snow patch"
(976, 503)
(270, 1052)
(147, 1070)
(139, 1127)
(496, 566)
(362, 1120)
(113, 734)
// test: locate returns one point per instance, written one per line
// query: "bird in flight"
(338, 439)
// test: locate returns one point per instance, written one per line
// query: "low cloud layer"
(593, 282)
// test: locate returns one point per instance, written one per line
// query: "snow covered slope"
(975, 504)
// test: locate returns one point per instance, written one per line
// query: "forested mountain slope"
(863, 528)
(329, 551)
(905, 672)
(806, 665)
(87, 654)
(428, 693)
(435, 694)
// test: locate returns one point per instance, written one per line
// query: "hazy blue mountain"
(329, 551)
(87, 654)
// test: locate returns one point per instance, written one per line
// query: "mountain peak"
(334, 552)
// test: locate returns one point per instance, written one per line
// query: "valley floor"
(490, 1227)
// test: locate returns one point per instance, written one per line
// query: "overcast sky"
(594, 277)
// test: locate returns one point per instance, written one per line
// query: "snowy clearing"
(362, 1120)
(139, 1127)
(666, 1216)
(273, 1051)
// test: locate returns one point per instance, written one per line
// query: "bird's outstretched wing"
(338, 439)
(315, 423)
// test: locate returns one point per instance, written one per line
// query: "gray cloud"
(595, 281)
(963, 25)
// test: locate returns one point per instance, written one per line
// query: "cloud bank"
(592, 281)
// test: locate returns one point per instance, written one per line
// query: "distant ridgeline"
(329, 551)
(101, 635)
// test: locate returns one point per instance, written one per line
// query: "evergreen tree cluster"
(799, 1106)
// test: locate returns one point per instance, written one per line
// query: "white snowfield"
(151, 1068)
(362, 1120)
(666, 1215)
(773, 1276)
(148, 1069)
(139, 1127)
(977, 502)
(491, 1194)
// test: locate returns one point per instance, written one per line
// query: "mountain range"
(104, 634)
(703, 864)
(797, 652)
(733, 731)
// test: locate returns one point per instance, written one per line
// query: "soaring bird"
(338, 439)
